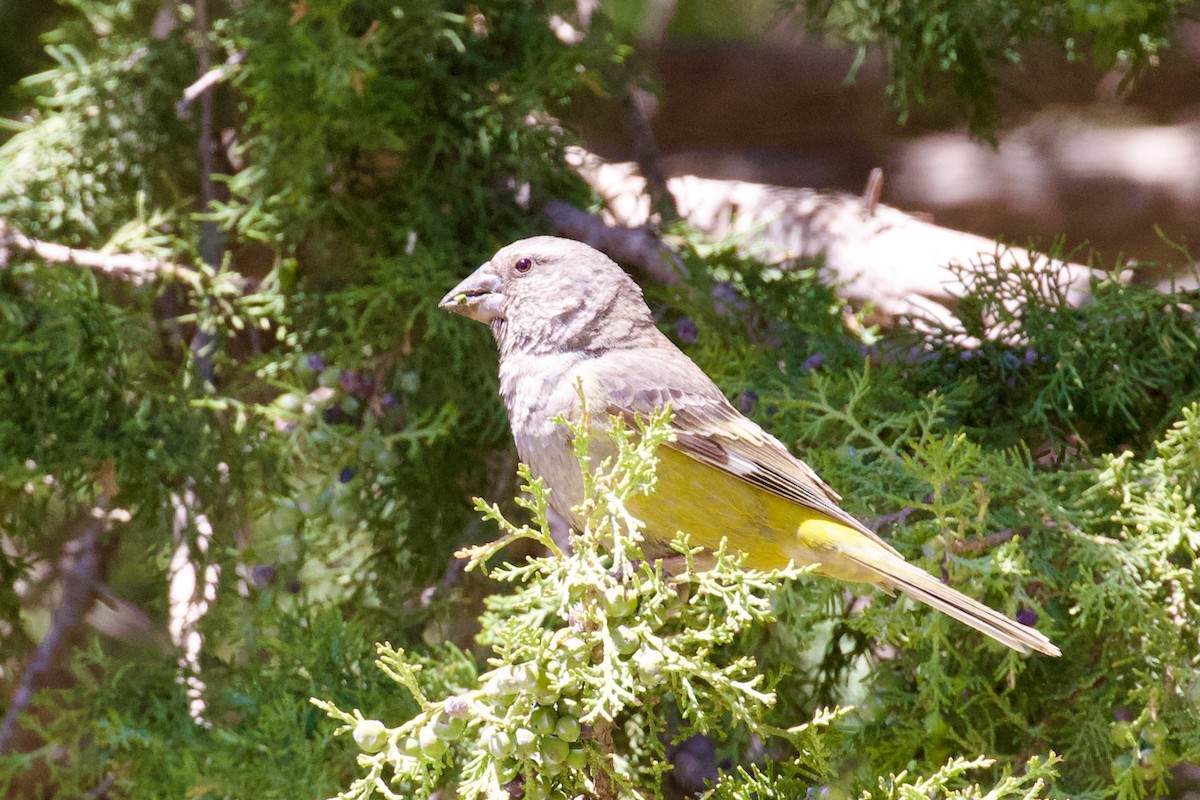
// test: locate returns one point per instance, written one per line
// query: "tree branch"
(80, 572)
(965, 546)
(206, 81)
(641, 107)
(212, 238)
(898, 262)
(192, 589)
(130, 267)
(888, 520)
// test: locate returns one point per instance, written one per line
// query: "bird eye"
(523, 265)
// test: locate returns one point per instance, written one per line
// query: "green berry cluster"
(1145, 751)
(532, 727)
(522, 722)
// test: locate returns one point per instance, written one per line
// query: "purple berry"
(355, 384)
(1027, 616)
(346, 475)
(725, 292)
(315, 363)
(262, 574)
(747, 401)
(813, 362)
(727, 299)
(686, 330)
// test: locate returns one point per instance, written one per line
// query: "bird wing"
(709, 429)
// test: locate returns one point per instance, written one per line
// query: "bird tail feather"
(920, 585)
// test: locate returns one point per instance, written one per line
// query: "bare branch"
(212, 238)
(82, 562)
(887, 520)
(874, 190)
(206, 81)
(965, 546)
(641, 108)
(900, 263)
(125, 266)
(192, 589)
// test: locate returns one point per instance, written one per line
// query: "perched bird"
(564, 315)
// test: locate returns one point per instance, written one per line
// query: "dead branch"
(130, 267)
(192, 589)
(641, 109)
(888, 520)
(873, 190)
(212, 238)
(965, 546)
(206, 81)
(82, 564)
(898, 262)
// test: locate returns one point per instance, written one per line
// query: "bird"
(571, 325)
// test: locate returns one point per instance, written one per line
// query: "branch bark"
(212, 238)
(125, 266)
(81, 570)
(206, 81)
(900, 263)
(192, 589)
(966, 546)
(641, 108)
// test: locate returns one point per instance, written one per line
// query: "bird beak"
(478, 297)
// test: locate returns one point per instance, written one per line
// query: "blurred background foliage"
(332, 425)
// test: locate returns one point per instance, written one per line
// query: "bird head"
(551, 292)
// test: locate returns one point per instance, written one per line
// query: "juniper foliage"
(1013, 506)
(331, 424)
(959, 49)
(595, 643)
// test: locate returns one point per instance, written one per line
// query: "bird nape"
(568, 320)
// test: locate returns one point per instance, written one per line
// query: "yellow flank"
(710, 504)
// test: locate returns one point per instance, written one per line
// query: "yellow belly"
(709, 504)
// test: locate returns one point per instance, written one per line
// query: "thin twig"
(642, 107)
(888, 520)
(126, 266)
(83, 562)
(602, 734)
(103, 788)
(207, 81)
(963, 546)
(873, 190)
(449, 579)
(212, 238)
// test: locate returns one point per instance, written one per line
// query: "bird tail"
(894, 573)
